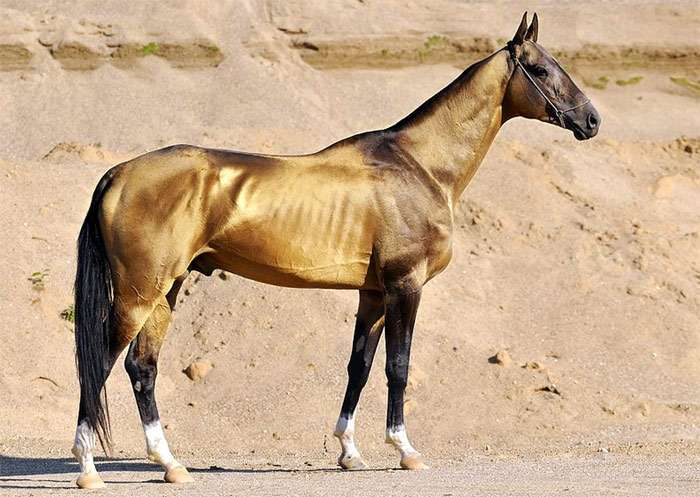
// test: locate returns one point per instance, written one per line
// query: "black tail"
(93, 315)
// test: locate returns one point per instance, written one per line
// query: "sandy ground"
(582, 260)
(602, 475)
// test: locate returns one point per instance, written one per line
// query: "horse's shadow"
(21, 472)
(16, 470)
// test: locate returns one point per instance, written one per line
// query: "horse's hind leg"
(368, 330)
(129, 320)
(85, 440)
(141, 364)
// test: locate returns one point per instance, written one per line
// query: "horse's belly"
(340, 276)
(299, 254)
(300, 227)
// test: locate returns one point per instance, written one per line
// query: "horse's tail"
(93, 316)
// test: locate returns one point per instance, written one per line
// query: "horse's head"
(540, 88)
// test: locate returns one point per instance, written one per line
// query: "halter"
(559, 113)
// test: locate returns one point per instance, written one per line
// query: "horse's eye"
(540, 71)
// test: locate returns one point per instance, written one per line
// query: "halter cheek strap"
(559, 113)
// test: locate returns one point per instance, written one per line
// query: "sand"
(600, 474)
(581, 260)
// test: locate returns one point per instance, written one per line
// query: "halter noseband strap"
(560, 114)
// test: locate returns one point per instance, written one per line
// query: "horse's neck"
(450, 133)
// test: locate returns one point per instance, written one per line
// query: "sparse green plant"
(631, 81)
(38, 279)
(68, 314)
(429, 44)
(211, 50)
(693, 86)
(601, 83)
(150, 48)
(434, 41)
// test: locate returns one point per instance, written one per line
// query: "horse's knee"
(140, 370)
(356, 364)
(396, 374)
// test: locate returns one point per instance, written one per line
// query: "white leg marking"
(157, 446)
(397, 437)
(83, 447)
(345, 432)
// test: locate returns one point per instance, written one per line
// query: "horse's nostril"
(592, 121)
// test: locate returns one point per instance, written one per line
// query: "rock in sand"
(197, 370)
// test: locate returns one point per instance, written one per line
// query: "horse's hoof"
(178, 474)
(413, 462)
(352, 463)
(90, 480)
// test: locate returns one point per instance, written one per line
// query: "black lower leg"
(141, 361)
(401, 309)
(143, 369)
(368, 329)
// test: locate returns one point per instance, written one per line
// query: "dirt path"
(599, 475)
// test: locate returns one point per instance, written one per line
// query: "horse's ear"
(532, 30)
(522, 29)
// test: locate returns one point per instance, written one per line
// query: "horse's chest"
(439, 250)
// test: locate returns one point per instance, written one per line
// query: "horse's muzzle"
(586, 125)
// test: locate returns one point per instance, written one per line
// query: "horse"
(373, 212)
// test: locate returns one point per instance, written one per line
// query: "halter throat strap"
(559, 113)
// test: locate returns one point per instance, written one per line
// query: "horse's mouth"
(582, 130)
(579, 131)
(579, 134)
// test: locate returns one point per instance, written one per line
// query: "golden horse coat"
(373, 212)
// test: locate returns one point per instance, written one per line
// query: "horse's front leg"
(401, 309)
(368, 330)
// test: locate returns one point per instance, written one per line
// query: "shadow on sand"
(22, 472)
(14, 471)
